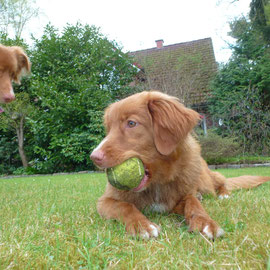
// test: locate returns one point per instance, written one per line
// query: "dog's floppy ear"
(23, 62)
(172, 121)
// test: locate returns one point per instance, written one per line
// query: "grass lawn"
(51, 223)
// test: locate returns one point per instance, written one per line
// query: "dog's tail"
(245, 181)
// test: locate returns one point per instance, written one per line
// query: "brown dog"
(13, 61)
(156, 128)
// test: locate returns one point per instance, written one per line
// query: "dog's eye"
(131, 124)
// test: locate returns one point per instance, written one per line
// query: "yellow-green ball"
(127, 175)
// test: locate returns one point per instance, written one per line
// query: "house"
(183, 70)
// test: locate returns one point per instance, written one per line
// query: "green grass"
(51, 223)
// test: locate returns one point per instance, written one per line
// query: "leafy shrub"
(243, 113)
(9, 156)
(240, 94)
(24, 171)
(75, 75)
(215, 149)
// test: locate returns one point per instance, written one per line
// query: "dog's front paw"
(206, 226)
(212, 233)
(152, 230)
(223, 196)
(143, 229)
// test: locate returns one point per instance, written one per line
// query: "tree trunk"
(20, 136)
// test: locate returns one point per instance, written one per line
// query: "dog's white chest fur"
(158, 207)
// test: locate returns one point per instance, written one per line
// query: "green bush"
(240, 92)
(24, 171)
(76, 73)
(216, 149)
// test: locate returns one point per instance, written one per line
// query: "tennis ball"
(127, 175)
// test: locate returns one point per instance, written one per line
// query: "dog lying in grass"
(13, 60)
(156, 128)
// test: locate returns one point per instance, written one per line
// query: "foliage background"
(75, 75)
(77, 72)
(240, 94)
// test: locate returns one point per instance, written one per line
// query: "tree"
(75, 75)
(14, 117)
(260, 17)
(241, 90)
(16, 14)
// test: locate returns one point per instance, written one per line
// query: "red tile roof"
(183, 69)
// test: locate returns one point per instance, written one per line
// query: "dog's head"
(13, 61)
(147, 125)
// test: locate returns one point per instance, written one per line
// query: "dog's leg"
(136, 223)
(197, 218)
(220, 185)
(223, 192)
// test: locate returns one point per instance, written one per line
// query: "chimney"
(159, 43)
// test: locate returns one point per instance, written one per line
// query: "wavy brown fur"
(160, 135)
(245, 181)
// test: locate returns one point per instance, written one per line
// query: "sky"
(135, 25)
